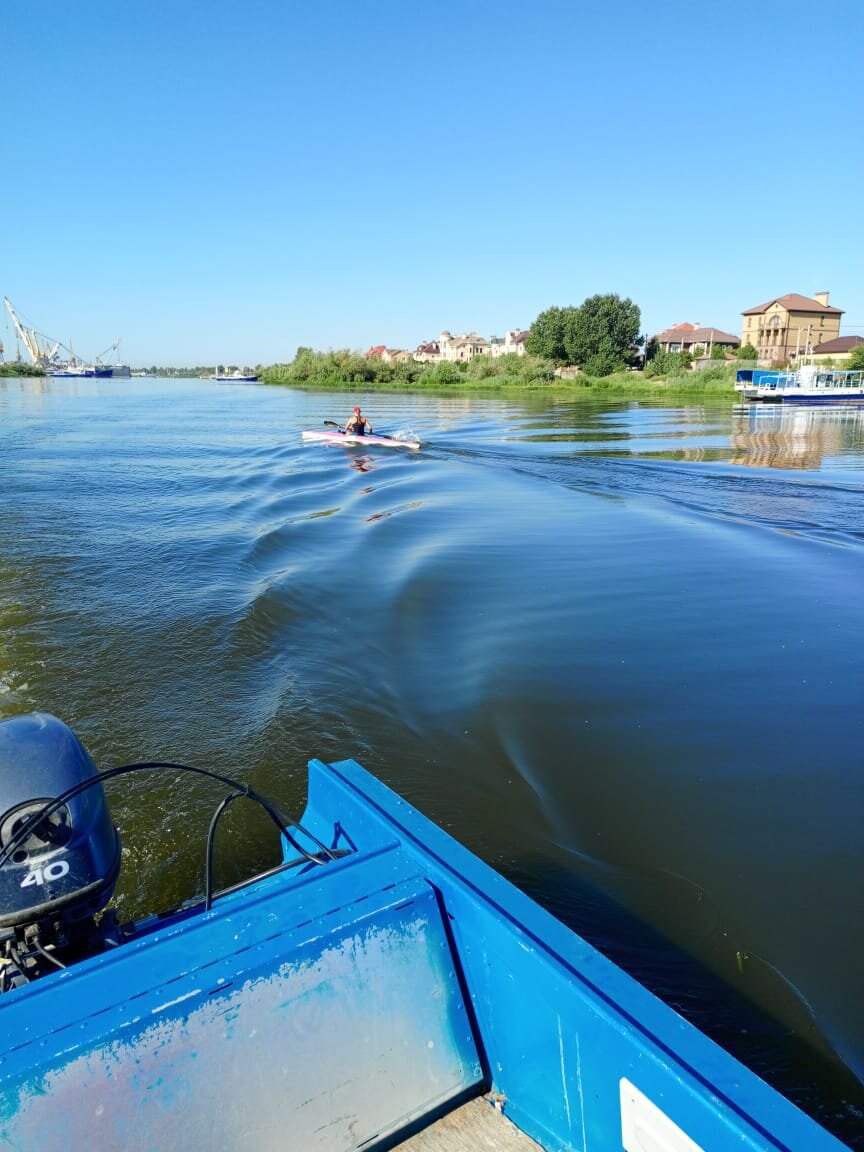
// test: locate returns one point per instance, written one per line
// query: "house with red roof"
(695, 337)
(427, 352)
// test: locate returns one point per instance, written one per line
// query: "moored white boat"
(810, 384)
(237, 376)
(71, 370)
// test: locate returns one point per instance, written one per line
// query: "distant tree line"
(604, 338)
(199, 371)
(600, 337)
(345, 367)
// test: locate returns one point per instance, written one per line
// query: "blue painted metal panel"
(287, 1028)
(323, 1008)
(561, 1026)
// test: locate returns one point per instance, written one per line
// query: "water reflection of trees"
(786, 436)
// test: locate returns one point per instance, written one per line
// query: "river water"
(615, 648)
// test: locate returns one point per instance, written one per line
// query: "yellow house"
(787, 329)
(455, 348)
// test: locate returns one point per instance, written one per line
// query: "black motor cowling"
(65, 869)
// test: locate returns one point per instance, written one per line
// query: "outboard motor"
(61, 869)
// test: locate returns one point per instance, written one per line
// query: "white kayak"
(331, 436)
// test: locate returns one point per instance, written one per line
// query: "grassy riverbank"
(14, 368)
(348, 371)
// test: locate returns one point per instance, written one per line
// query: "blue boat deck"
(354, 1004)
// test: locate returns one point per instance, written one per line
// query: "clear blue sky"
(218, 182)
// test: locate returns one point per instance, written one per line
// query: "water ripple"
(605, 645)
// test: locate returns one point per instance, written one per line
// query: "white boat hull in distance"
(810, 384)
(359, 441)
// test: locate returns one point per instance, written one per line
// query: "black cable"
(211, 833)
(19, 964)
(49, 809)
(43, 952)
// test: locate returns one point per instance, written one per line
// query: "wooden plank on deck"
(475, 1127)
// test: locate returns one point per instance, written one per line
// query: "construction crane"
(115, 348)
(39, 347)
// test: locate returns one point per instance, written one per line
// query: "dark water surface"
(616, 649)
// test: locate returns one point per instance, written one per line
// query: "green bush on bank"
(669, 364)
(668, 373)
(718, 381)
(346, 369)
(14, 368)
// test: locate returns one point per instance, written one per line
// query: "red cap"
(356, 409)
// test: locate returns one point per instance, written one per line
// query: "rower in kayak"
(358, 425)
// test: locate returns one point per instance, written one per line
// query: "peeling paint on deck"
(333, 1049)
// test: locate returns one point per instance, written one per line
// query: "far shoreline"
(344, 370)
(715, 384)
(595, 389)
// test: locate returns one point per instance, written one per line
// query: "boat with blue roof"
(809, 384)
